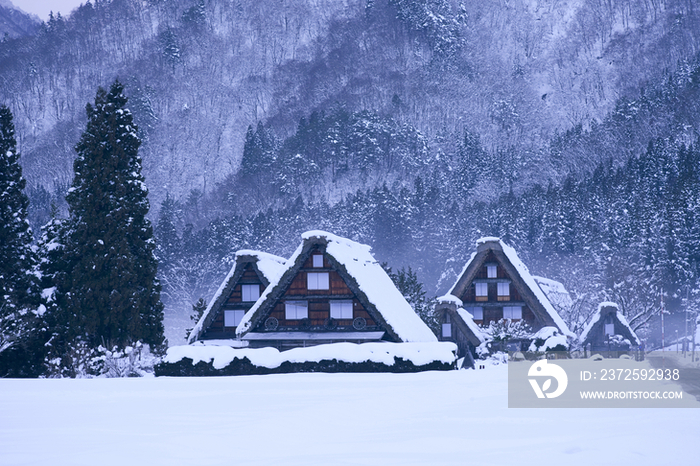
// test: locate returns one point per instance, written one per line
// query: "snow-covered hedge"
(549, 339)
(336, 357)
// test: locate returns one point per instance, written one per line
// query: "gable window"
(296, 310)
(477, 312)
(341, 309)
(503, 291)
(317, 281)
(233, 318)
(250, 292)
(447, 327)
(491, 271)
(318, 260)
(609, 326)
(482, 291)
(512, 312)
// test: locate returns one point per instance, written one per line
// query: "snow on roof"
(469, 320)
(488, 239)
(372, 280)
(555, 292)
(450, 298)
(597, 316)
(270, 266)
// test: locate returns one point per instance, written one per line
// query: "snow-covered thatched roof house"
(332, 290)
(252, 273)
(608, 330)
(495, 285)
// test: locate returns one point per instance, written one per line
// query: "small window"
(512, 312)
(233, 318)
(318, 260)
(446, 330)
(491, 271)
(504, 291)
(317, 281)
(341, 309)
(482, 291)
(609, 329)
(250, 292)
(295, 310)
(476, 312)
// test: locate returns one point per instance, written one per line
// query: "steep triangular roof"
(526, 284)
(462, 319)
(267, 267)
(604, 309)
(362, 274)
(556, 293)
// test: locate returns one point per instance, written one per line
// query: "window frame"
(511, 309)
(472, 310)
(481, 287)
(312, 278)
(237, 315)
(446, 326)
(343, 314)
(249, 287)
(315, 261)
(296, 306)
(492, 268)
(499, 291)
(605, 329)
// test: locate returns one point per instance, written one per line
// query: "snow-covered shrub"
(82, 361)
(132, 361)
(618, 343)
(502, 332)
(507, 329)
(548, 339)
(77, 360)
(482, 351)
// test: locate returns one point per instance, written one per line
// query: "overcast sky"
(41, 8)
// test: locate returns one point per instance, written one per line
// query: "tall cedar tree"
(19, 294)
(16, 257)
(110, 289)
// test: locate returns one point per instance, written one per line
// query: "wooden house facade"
(333, 290)
(495, 285)
(608, 331)
(242, 287)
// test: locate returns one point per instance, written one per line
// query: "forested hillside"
(199, 72)
(413, 126)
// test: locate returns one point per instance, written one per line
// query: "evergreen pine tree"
(109, 291)
(19, 297)
(16, 257)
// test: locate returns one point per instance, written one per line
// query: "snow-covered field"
(456, 417)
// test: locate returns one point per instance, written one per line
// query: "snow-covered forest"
(568, 128)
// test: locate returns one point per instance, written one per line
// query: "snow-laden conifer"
(109, 293)
(19, 298)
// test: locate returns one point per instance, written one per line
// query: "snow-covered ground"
(455, 417)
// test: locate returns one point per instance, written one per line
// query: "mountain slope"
(199, 72)
(16, 23)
